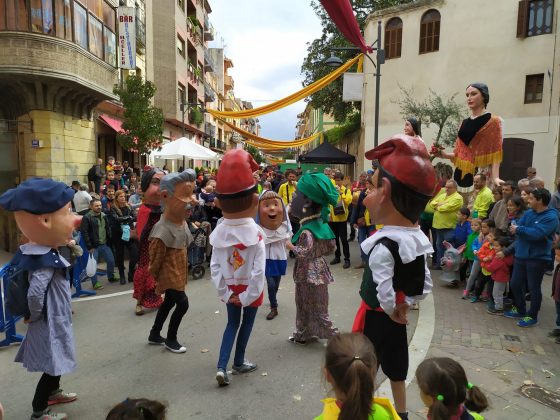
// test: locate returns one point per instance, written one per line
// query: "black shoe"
(346, 264)
(174, 346)
(156, 339)
(336, 260)
(292, 255)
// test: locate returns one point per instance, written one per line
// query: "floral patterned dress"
(144, 283)
(312, 277)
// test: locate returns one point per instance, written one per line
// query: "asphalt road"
(115, 361)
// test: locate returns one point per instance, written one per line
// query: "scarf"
(317, 227)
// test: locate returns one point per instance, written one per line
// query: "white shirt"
(238, 258)
(412, 243)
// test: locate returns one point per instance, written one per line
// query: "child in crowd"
(138, 409)
(485, 254)
(447, 393)
(475, 269)
(110, 164)
(556, 294)
(500, 269)
(470, 257)
(351, 367)
(111, 180)
(460, 237)
(238, 258)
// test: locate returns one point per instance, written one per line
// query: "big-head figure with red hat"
(43, 213)
(397, 273)
(238, 256)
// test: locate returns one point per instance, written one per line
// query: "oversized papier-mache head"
(42, 211)
(405, 162)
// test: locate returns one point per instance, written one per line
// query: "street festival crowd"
(246, 221)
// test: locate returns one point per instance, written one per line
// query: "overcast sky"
(266, 40)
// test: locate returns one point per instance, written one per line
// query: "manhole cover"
(544, 396)
(512, 338)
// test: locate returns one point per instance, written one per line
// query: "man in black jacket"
(96, 233)
(95, 176)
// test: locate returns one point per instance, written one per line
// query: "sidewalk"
(497, 355)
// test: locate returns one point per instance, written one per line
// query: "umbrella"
(185, 148)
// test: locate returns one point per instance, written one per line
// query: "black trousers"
(132, 246)
(341, 234)
(181, 302)
(45, 388)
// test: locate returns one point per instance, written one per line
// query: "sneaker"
(494, 311)
(554, 333)
(98, 286)
(156, 339)
(222, 377)
(514, 314)
(174, 346)
(246, 367)
(474, 299)
(465, 295)
(298, 342)
(61, 397)
(527, 322)
(48, 415)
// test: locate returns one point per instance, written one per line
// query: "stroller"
(197, 253)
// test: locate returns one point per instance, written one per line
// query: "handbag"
(125, 233)
(91, 267)
(339, 208)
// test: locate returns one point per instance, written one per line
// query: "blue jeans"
(273, 283)
(234, 318)
(104, 251)
(363, 234)
(442, 235)
(533, 272)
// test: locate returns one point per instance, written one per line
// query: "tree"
(329, 99)
(143, 123)
(256, 153)
(442, 111)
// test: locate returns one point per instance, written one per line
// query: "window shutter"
(523, 19)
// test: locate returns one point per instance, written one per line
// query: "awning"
(111, 122)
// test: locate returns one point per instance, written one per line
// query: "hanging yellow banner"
(293, 98)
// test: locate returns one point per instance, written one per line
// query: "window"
(68, 19)
(60, 18)
(80, 25)
(393, 38)
(95, 7)
(109, 41)
(534, 17)
(36, 16)
(534, 88)
(95, 36)
(429, 31)
(109, 16)
(181, 5)
(48, 17)
(181, 46)
(181, 98)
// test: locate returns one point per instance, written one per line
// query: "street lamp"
(334, 61)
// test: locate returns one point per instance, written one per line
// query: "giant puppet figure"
(397, 273)
(43, 213)
(149, 214)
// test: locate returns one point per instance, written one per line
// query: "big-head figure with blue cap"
(43, 213)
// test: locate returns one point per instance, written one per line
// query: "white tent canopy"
(185, 148)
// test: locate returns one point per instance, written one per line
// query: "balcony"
(210, 129)
(194, 30)
(140, 33)
(229, 105)
(208, 62)
(208, 29)
(218, 144)
(228, 82)
(209, 95)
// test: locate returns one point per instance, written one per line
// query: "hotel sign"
(127, 38)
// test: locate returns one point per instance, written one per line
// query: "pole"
(377, 86)
(183, 119)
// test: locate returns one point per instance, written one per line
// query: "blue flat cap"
(37, 196)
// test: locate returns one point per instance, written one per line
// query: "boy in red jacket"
(500, 270)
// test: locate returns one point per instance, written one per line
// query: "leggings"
(475, 271)
(45, 388)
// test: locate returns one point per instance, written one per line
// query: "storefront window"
(80, 25)
(110, 46)
(95, 36)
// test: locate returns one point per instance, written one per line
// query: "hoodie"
(535, 233)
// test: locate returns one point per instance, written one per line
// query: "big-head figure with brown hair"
(396, 273)
(238, 256)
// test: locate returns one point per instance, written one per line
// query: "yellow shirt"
(286, 191)
(346, 197)
(482, 203)
(445, 216)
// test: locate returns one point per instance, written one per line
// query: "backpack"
(18, 286)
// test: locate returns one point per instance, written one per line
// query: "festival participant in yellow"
(288, 188)
(338, 219)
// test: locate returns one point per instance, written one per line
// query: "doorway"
(517, 157)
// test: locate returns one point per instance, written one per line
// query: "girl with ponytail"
(444, 389)
(350, 367)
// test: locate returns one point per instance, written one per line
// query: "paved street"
(114, 361)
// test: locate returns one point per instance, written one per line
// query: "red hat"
(407, 161)
(235, 175)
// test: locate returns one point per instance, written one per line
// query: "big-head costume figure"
(168, 256)
(149, 214)
(397, 273)
(43, 213)
(238, 257)
(273, 218)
